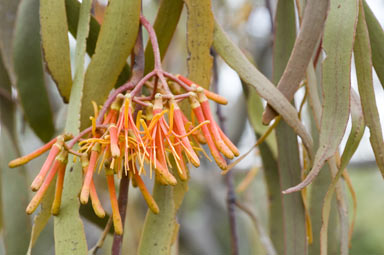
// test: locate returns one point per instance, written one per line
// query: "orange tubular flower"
(84, 195)
(196, 107)
(55, 149)
(59, 164)
(156, 134)
(213, 96)
(96, 205)
(180, 130)
(215, 129)
(117, 223)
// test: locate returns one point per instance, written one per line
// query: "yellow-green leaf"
(116, 40)
(338, 40)
(363, 61)
(200, 26)
(55, 43)
(158, 230)
(28, 68)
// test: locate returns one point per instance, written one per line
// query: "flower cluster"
(135, 134)
(139, 129)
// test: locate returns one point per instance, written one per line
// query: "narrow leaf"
(114, 44)
(8, 10)
(363, 61)
(14, 198)
(337, 44)
(69, 231)
(233, 56)
(200, 25)
(353, 141)
(311, 29)
(376, 38)
(7, 106)
(288, 159)
(29, 70)
(55, 43)
(165, 24)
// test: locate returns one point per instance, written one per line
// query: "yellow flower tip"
(84, 195)
(18, 162)
(118, 225)
(99, 211)
(55, 210)
(36, 184)
(155, 209)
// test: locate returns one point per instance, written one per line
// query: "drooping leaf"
(29, 70)
(311, 29)
(233, 56)
(8, 10)
(363, 61)
(288, 159)
(376, 38)
(55, 43)
(116, 40)
(200, 25)
(337, 43)
(68, 228)
(165, 24)
(14, 192)
(353, 141)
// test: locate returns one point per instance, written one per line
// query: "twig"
(101, 240)
(264, 238)
(231, 195)
(123, 200)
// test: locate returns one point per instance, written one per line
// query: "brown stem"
(231, 195)
(122, 201)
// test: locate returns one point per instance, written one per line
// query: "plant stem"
(231, 195)
(122, 201)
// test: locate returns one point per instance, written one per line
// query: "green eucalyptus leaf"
(200, 25)
(7, 106)
(337, 43)
(55, 43)
(311, 29)
(165, 25)
(115, 42)
(8, 10)
(363, 61)
(376, 38)
(14, 192)
(233, 56)
(29, 72)
(353, 141)
(158, 231)
(288, 159)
